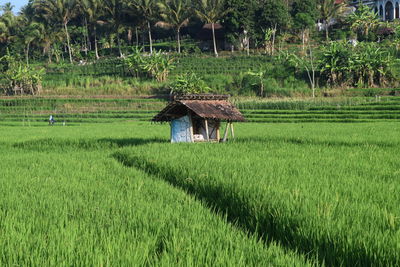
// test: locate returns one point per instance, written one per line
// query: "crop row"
(63, 202)
(324, 190)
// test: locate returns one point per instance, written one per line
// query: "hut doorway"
(205, 130)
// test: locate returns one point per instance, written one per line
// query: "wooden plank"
(218, 132)
(170, 127)
(207, 133)
(191, 126)
(226, 132)
(232, 132)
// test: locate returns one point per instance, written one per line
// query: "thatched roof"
(215, 107)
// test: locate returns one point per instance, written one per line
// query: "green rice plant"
(64, 201)
(326, 190)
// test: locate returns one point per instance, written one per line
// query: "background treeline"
(269, 47)
(83, 27)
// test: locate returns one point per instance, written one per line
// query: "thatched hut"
(197, 118)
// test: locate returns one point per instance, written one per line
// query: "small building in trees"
(198, 118)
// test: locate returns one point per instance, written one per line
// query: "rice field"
(28, 111)
(120, 194)
(64, 201)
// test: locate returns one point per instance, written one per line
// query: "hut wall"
(181, 130)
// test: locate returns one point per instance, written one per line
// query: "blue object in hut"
(181, 130)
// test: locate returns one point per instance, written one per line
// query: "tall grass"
(64, 201)
(328, 190)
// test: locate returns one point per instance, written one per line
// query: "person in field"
(51, 120)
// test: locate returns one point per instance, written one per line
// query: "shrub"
(19, 78)
(189, 84)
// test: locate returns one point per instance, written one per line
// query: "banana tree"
(260, 76)
(363, 20)
(334, 62)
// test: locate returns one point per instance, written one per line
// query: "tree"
(329, 10)
(114, 9)
(59, 10)
(93, 10)
(211, 11)
(334, 62)
(271, 15)
(31, 32)
(363, 20)
(306, 62)
(370, 64)
(175, 14)
(148, 9)
(238, 19)
(8, 24)
(304, 13)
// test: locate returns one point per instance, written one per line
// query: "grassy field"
(65, 201)
(121, 194)
(30, 111)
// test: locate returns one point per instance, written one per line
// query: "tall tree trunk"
(137, 36)
(68, 44)
(150, 40)
(96, 51)
(178, 38)
(119, 45)
(129, 36)
(273, 40)
(143, 39)
(27, 53)
(326, 31)
(86, 36)
(214, 41)
(303, 37)
(49, 52)
(88, 44)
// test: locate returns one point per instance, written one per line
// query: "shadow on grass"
(266, 221)
(316, 142)
(59, 144)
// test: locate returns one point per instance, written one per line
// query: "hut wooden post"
(170, 127)
(218, 133)
(226, 132)
(232, 132)
(191, 127)
(207, 132)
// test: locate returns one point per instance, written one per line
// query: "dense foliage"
(82, 27)
(17, 78)
(156, 65)
(91, 32)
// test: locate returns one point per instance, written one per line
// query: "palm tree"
(175, 14)
(148, 9)
(211, 11)
(61, 10)
(329, 10)
(93, 10)
(7, 7)
(8, 23)
(33, 31)
(114, 12)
